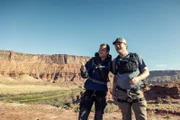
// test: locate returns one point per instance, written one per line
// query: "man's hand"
(134, 81)
(82, 68)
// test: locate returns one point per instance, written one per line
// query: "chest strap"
(97, 81)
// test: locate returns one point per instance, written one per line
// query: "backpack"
(125, 65)
(134, 58)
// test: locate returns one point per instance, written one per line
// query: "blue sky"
(78, 27)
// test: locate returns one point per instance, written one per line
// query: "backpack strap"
(101, 72)
(114, 65)
(114, 62)
(136, 57)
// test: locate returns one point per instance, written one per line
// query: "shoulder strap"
(135, 56)
(114, 65)
(93, 63)
(101, 72)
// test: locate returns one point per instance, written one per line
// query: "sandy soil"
(16, 111)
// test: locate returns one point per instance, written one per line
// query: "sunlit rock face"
(46, 67)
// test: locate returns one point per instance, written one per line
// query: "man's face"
(120, 47)
(103, 52)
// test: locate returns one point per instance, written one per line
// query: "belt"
(130, 101)
(119, 88)
(126, 90)
(97, 81)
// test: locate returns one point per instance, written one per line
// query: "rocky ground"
(15, 111)
(163, 104)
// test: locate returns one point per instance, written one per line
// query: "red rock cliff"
(47, 67)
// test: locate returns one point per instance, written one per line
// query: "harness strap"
(128, 90)
(100, 67)
(97, 81)
(119, 88)
(94, 95)
(133, 100)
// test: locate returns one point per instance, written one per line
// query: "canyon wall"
(46, 67)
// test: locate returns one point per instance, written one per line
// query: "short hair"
(107, 47)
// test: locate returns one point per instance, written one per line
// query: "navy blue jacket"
(92, 71)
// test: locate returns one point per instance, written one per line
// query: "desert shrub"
(76, 109)
(67, 105)
(158, 105)
(8, 100)
(167, 118)
(93, 108)
(159, 100)
(152, 112)
(63, 101)
(168, 99)
(110, 108)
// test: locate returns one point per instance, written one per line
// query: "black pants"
(90, 97)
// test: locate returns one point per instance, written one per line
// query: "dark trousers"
(87, 100)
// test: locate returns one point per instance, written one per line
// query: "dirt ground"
(16, 111)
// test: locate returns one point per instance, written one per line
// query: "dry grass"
(20, 89)
(165, 107)
(7, 80)
(27, 84)
(26, 89)
(26, 79)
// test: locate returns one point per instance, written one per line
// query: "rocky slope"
(167, 91)
(163, 76)
(46, 67)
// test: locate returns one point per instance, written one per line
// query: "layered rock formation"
(163, 76)
(46, 67)
(170, 90)
(61, 66)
